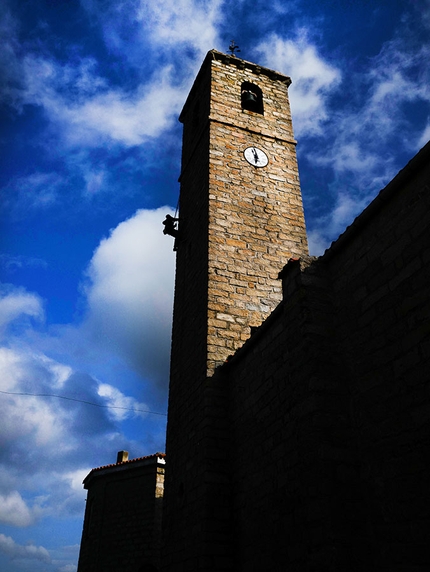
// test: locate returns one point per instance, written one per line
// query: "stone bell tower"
(240, 220)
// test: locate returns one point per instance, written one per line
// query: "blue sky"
(90, 156)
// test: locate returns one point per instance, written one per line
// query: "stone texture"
(234, 220)
(304, 445)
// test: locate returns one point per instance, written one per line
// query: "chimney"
(122, 457)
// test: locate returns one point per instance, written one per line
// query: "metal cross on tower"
(233, 48)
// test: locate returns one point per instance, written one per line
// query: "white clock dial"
(256, 157)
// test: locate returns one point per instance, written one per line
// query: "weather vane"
(233, 48)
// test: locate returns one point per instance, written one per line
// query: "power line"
(82, 401)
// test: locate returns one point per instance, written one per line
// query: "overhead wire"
(83, 401)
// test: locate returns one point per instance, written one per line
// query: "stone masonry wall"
(255, 214)
(183, 502)
(305, 450)
(122, 527)
(329, 403)
(381, 278)
(236, 224)
(290, 434)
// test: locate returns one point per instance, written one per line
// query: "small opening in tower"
(251, 97)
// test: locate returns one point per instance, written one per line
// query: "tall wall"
(306, 449)
(238, 223)
(381, 275)
(288, 405)
(255, 214)
(329, 401)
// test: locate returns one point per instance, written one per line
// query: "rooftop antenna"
(233, 48)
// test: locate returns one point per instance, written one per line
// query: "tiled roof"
(128, 462)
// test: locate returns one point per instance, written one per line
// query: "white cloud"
(68, 568)
(94, 181)
(33, 418)
(327, 228)
(130, 293)
(44, 79)
(11, 263)
(27, 552)
(313, 78)
(27, 416)
(16, 304)
(359, 134)
(80, 105)
(425, 136)
(395, 82)
(362, 143)
(173, 22)
(9, 64)
(84, 111)
(125, 118)
(14, 511)
(35, 191)
(75, 478)
(351, 156)
(179, 31)
(50, 444)
(63, 556)
(397, 74)
(119, 403)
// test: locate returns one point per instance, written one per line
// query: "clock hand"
(256, 159)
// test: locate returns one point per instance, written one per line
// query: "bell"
(249, 100)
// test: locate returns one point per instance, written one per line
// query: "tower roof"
(240, 64)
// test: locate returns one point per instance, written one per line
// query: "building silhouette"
(122, 525)
(298, 425)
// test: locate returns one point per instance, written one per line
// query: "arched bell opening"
(251, 97)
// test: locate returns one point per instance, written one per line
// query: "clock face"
(256, 157)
